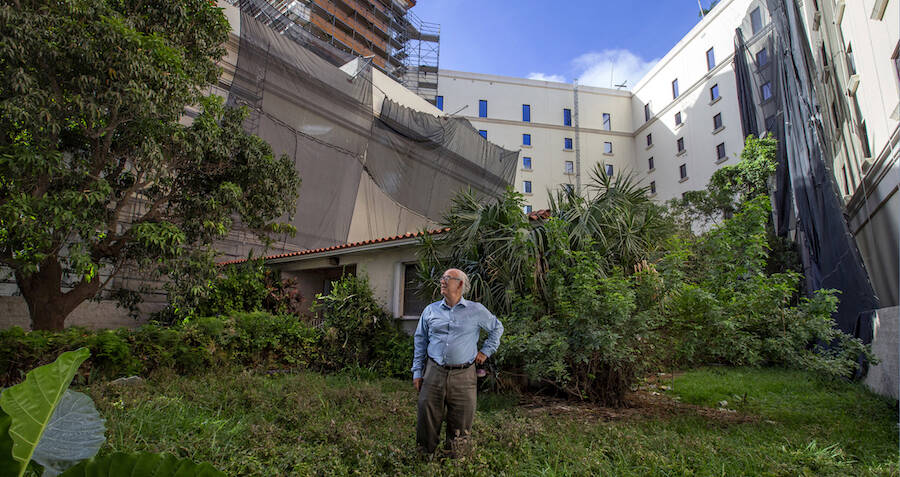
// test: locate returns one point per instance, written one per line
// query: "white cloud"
(608, 68)
(543, 77)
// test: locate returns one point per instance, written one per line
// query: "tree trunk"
(48, 306)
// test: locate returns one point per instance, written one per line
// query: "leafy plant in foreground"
(42, 421)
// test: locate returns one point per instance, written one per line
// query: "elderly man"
(443, 368)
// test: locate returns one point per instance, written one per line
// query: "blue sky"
(559, 40)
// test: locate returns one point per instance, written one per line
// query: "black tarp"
(828, 251)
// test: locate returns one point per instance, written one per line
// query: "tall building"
(398, 42)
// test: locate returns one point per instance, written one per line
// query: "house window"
(413, 304)
(766, 90)
(526, 139)
(846, 181)
(717, 121)
(680, 144)
(720, 151)
(482, 108)
(526, 113)
(678, 118)
(527, 209)
(650, 166)
(714, 92)
(682, 169)
(851, 64)
(864, 139)
(762, 58)
(646, 112)
(567, 143)
(824, 55)
(675, 88)
(710, 59)
(439, 102)
(606, 122)
(567, 117)
(526, 187)
(652, 187)
(570, 167)
(895, 59)
(649, 140)
(607, 147)
(526, 162)
(755, 20)
(483, 133)
(609, 170)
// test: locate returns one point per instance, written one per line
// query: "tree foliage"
(97, 170)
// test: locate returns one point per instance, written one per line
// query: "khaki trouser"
(451, 392)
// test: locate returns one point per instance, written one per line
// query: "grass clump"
(347, 424)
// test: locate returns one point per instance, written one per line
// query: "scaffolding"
(401, 45)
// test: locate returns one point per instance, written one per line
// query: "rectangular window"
(527, 209)
(710, 59)
(652, 187)
(526, 162)
(864, 139)
(766, 91)
(717, 121)
(895, 60)
(607, 147)
(675, 88)
(567, 143)
(770, 124)
(851, 64)
(567, 117)
(714, 92)
(678, 118)
(680, 144)
(570, 167)
(846, 181)
(607, 126)
(526, 113)
(526, 187)
(609, 170)
(824, 55)
(720, 151)
(762, 58)
(646, 112)
(483, 133)
(756, 20)
(413, 304)
(650, 166)
(526, 139)
(439, 102)
(682, 169)
(649, 140)
(482, 108)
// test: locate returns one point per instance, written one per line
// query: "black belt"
(454, 366)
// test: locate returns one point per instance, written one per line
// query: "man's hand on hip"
(480, 358)
(418, 384)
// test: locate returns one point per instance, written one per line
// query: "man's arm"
(420, 346)
(494, 329)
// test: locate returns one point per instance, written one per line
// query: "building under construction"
(397, 41)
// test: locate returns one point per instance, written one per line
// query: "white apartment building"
(539, 117)
(678, 125)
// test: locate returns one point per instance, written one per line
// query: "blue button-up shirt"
(450, 335)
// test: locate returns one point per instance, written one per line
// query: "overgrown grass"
(354, 424)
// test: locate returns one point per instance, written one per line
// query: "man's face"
(451, 284)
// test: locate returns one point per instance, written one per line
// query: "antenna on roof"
(701, 8)
(621, 85)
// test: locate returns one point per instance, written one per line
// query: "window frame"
(649, 139)
(526, 113)
(763, 89)
(567, 117)
(526, 139)
(647, 115)
(710, 59)
(569, 167)
(607, 122)
(651, 166)
(679, 144)
(483, 133)
(764, 53)
(526, 187)
(439, 102)
(678, 121)
(756, 21)
(482, 108)
(653, 187)
(675, 91)
(717, 122)
(568, 144)
(682, 171)
(720, 151)
(527, 163)
(714, 88)
(609, 169)
(607, 147)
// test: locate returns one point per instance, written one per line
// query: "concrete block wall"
(95, 315)
(884, 378)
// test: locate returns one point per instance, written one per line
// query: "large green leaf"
(75, 433)
(141, 465)
(31, 402)
(8, 465)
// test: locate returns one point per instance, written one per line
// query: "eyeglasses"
(446, 278)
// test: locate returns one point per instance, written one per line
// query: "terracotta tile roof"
(343, 246)
(542, 214)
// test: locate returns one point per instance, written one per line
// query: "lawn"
(775, 422)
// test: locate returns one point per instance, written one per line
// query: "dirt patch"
(649, 401)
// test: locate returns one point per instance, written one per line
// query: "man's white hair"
(465, 282)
